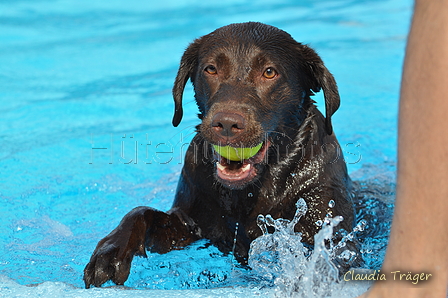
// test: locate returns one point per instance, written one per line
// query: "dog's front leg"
(141, 228)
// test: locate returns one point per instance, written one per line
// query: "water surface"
(80, 75)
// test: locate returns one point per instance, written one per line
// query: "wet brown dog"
(252, 85)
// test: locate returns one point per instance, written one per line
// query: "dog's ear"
(321, 78)
(187, 67)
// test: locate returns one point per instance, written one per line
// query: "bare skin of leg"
(419, 236)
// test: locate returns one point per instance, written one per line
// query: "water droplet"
(234, 238)
(360, 226)
(347, 255)
(250, 195)
(319, 223)
(261, 222)
(331, 204)
(270, 221)
(301, 209)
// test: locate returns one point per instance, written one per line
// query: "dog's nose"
(228, 125)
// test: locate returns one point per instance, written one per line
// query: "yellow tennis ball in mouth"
(235, 153)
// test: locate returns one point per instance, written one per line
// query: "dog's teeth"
(220, 166)
(246, 167)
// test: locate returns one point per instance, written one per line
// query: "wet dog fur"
(253, 84)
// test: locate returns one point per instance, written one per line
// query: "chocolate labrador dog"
(253, 85)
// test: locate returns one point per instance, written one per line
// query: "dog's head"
(251, 81)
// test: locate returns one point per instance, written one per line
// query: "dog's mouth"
(236, 172)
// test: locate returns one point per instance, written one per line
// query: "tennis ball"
(237, 154)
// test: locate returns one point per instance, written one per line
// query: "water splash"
(272, 255)
(282, 261)
(234, 238)
(288, 268)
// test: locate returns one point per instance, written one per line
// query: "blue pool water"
(78, 75)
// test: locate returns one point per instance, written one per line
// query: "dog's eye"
(211, 70)
(270, 73)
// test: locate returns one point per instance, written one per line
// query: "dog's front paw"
(141, 228)
(112, 259)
